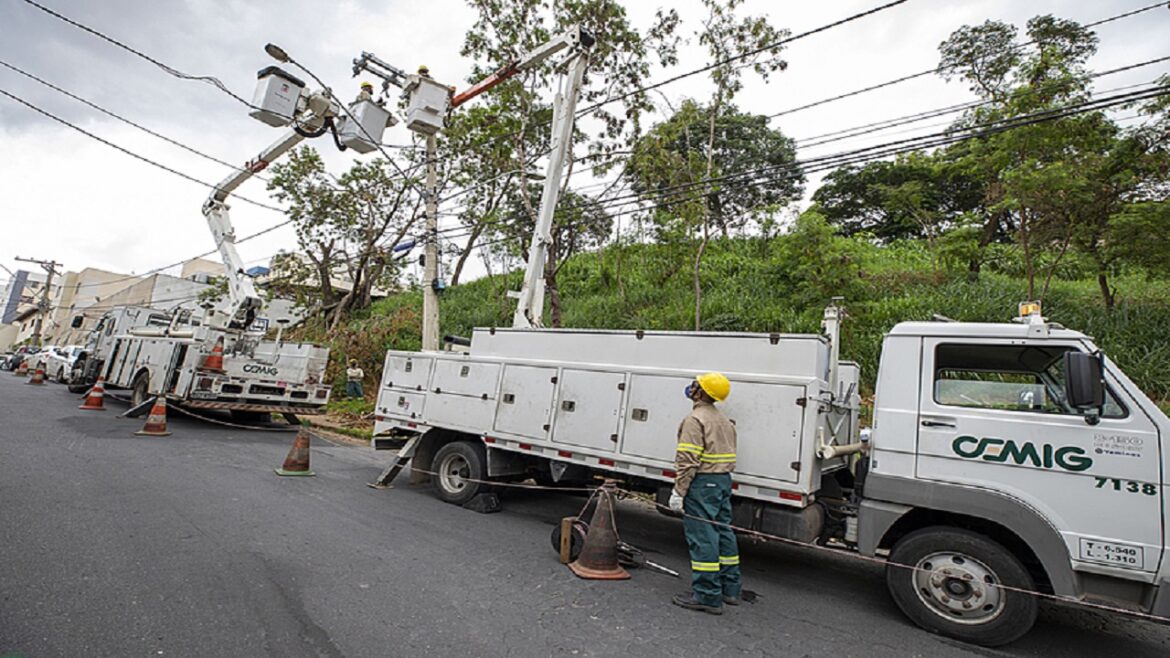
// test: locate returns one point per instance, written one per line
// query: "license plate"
(203, 395)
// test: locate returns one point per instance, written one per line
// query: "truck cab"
(984, 468)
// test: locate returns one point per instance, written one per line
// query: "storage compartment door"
(407, 372)
(656, 407)
(769, 424)
(526, 394)
(465, 377)
(588, 409)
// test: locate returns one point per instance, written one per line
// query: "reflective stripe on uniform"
(729, 561)
(704, 566)
(718, 458)
(690, 447)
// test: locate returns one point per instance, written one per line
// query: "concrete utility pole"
(50, 267)
(430, 319)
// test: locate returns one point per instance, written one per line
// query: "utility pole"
(430, 319)
(50, 267)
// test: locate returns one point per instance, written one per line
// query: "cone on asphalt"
(214, 361)
(38, 377)
(21, 369)
(96, 396)
(297, 461)
(156, 422)
(599, 556)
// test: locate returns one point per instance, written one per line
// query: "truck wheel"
(455, 465)
(139, 390)
(953, 587)
(61, 376)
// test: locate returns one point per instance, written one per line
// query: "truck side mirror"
(77, 320)
(1084, 388)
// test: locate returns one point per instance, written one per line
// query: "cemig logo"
(259, 369)
(990, 449)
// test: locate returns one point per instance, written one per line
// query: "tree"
(347, 225)
(690, 150)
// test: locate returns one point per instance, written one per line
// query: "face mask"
(690, 390)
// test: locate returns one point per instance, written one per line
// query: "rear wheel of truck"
(139, 390)
(460, 468)
(961, 584)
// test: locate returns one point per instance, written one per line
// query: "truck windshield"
(1007, 377)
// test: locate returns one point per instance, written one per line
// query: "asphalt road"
(118, 545)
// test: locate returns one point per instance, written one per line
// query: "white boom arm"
(243, 302)
(530, 304)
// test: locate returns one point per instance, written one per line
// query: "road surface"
(189, 545)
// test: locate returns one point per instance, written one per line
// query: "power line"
(127, 151)
(124, 119)
(215, 82)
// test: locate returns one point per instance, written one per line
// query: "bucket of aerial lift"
(362, 129)
(427, 106)
(275, 98)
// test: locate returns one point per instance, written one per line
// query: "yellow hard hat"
(423, 70)
(366, 83)
(715, 385)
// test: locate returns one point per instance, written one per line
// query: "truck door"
(992, 415)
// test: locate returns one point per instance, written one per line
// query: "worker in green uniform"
(704, 461)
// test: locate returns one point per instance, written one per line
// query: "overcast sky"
(66, 197)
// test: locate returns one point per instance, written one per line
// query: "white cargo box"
(362, 130)
(614, 399)
(427, 107)
(276, 96)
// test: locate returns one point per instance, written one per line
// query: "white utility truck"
(1009, 454)
(149, 352)
(218, 359)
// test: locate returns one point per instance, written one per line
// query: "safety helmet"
(423, 70)
(715, 385)
(366, 83)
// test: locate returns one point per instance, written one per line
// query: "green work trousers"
(714, 553)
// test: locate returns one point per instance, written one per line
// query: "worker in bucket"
(704, 461)
(353, 380)
(367, 92)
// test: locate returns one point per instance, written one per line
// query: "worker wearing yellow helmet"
(704, 461)
(366, 93)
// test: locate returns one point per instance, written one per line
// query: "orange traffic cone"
(214, 361)
(156, 422)
(599, 555)
(96, 396)
(22, 369)
(38, 377)
(297, 461)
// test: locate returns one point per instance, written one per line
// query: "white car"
(57, 361)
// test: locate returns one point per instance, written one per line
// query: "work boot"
(731, 600)
(688, 601)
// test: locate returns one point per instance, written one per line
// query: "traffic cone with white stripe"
(96, 396)
(156, 422)
(21, 369)
(599, 556)
(297, 461)
(38, 377)
(214, 361)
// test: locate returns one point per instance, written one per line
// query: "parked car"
(22, 353)
(58, 362)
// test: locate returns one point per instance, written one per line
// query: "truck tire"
(140, 389)
(61, 375)
(952, 590)
(454, 465)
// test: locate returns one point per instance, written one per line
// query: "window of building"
(1007, 377)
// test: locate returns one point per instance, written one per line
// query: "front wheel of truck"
(963, 585)
(460, 468)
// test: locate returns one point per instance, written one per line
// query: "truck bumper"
(249, 406)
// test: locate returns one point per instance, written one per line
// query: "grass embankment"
(780, 285)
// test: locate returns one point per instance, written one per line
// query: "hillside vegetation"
(782, 284)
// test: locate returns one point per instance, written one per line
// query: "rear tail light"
(205, 383)
(322, 393)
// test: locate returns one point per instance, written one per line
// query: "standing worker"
(704, 462)
(353, 380)
(366, 93)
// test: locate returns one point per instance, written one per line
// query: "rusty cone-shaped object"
(297, 461)
(21, 368)
(214, 361)
(38, 377)
(599, 557)
(96, 396)
(156, 422)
